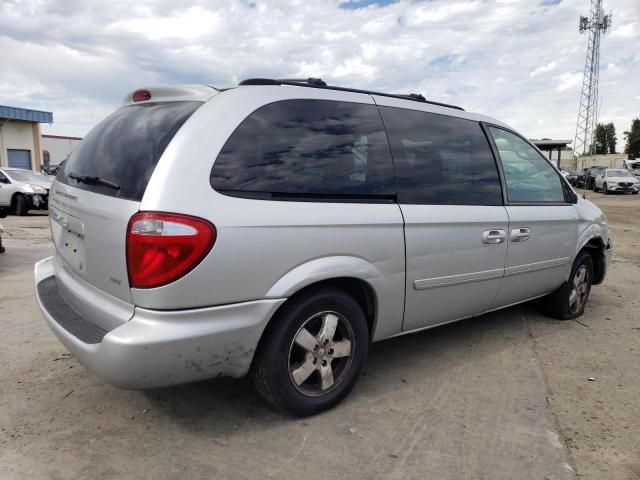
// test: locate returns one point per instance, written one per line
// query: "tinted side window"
(307, 147)
(528, 175)
(125, 147)
(441, 160)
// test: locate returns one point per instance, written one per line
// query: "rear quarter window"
(307, 148)
(125, 147)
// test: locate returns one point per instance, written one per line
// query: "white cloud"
(543, 69)
(627, 30)
(354, 68)
(190, 24)
(439, 13)
(568, 81)
(519, 61)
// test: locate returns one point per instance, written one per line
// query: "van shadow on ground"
(397, 371)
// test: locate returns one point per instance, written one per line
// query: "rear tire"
(570, 299)
(21, 205)
(312, 353)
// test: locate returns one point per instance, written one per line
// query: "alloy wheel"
(579, 289)
(321, 353)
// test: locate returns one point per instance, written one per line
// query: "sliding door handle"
(520, 234)
(493, 236)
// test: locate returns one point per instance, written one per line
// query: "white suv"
(612, 180)
(280, 227)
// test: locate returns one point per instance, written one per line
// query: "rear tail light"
(163, 247)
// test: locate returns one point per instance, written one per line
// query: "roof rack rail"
(319, 83)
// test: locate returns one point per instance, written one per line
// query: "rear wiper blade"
(94, 180)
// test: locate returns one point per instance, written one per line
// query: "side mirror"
(4, 180)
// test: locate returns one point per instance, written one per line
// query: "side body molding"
(388, 287)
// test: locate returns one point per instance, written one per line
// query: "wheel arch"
(14, 198)
(595, 247)
(355, 276)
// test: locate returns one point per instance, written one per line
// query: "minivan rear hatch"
(101, 185)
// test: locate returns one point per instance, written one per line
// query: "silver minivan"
(279, 227)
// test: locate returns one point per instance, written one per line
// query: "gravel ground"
(502, 396)
(599, 420)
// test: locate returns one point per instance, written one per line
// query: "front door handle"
(493, 236)
(520, 234)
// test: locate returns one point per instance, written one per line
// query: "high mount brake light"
(163, 247)
(141, 95)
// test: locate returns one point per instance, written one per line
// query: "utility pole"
(595, 25)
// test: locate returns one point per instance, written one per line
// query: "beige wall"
(36, 159)
(59, 148)
(566, 158)
(19, 135)
(604, 160)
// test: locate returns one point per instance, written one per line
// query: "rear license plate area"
(68, 237)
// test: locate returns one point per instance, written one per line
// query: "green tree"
(600, 139)
(632, 146)
(612, 139)
(604, 139)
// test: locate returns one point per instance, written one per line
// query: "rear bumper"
(157, 348)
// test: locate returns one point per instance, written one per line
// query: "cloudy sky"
(519, 61)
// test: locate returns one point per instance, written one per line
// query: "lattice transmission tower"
(595, 25)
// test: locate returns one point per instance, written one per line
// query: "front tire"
(605, 190)
(21, 205)
(312, 353)
(569, 300)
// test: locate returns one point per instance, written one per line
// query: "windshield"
(26, 176)
(618, 173)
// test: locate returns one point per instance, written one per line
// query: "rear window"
(316, 149)
(124, 148)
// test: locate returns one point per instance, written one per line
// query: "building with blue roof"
(20, 137)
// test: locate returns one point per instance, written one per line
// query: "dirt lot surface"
(503, 396)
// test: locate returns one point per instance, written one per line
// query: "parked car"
(23, 190)
(3, 214)
(50, 170)
(572, 178)
(279, 227)
(581, 178)
(617, 180)
(590, 176)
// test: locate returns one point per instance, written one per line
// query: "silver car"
(23, 190)
(279, 227)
